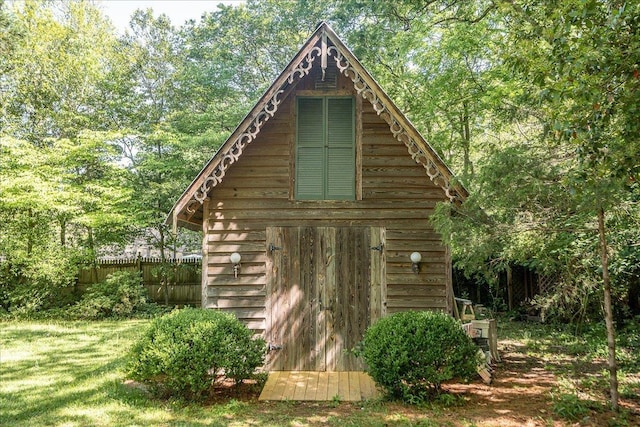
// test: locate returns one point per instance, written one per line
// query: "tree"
(538, 102)
(50, 89)
(588, 82)
(52, 198)
(576, 66)
(436, 65)
(60, 193)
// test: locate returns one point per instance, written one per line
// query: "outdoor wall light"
(235, 260)
(415, 261)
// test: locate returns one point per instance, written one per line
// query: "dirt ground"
(520, 395)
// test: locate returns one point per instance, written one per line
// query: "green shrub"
(120, 295)
(184, 351)
(32, 283)
(410, 354)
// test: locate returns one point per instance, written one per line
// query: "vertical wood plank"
(324, 258)
(292, 283)
(362, 294)
(301, 314)
(354, 386)
(341, 297)
(269, 303)
(283, 308)
(383, 274)
(299, 385)
(375, 291)
(312, 386)
(449, 281)
(333, 387)
(330, 302)
(348, 288)
(309, 305)
(322, 392)
(281, 386)
(354, 236)
(277, 310)
(358, 148)
(343, 385)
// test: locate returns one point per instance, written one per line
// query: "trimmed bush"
(412, 353)
(184, 351)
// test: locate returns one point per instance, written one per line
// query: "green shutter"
(325, 152)
(341, 149)
(310, 150)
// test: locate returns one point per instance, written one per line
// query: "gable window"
(325, 149)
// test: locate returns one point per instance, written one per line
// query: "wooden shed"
(324, 191)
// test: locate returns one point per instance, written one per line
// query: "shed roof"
(323, 46)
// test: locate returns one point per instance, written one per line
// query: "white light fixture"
(235, 260)
(415, 261)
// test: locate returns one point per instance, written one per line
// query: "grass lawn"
(70, 374)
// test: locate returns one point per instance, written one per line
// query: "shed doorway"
(325, 286)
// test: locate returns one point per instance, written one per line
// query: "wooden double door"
(325, 286)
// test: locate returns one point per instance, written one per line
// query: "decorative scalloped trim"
(269, 110)
(235, 151)
(398, 131)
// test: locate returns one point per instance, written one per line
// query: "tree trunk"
(510, 287)
(608, 312)
(634, 294)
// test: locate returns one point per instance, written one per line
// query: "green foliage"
(561, 107)
(50, 90)
(184, 351)
(411, 354)
(569, 406)
(31, 283)
(121, 295)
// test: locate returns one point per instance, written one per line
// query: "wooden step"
(349, 386)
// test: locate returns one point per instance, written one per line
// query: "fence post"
(138, 268)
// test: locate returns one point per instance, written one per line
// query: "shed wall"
(257, 191)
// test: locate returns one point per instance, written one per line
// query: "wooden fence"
(185, 288)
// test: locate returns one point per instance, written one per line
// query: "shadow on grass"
(53, 374)
(72, 374)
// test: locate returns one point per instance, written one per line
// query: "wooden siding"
(257, 193)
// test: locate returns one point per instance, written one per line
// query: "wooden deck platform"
(306, 385)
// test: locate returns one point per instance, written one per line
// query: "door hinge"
(377, 248)
(272, 347)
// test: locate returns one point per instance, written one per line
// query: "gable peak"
(321, 47)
